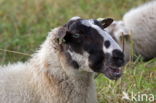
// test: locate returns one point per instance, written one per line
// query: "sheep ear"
(61, 34)
(57, 36)
(105, 22)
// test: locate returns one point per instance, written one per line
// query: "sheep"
(62, 70)
(138, 29)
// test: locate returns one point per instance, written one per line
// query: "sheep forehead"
(104, 34)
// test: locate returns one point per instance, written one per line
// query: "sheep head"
(118, 31)
(87, 47)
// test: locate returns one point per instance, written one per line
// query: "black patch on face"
(89, 40)
(107, 44)
(74, 43)
(98, 24)
(117, 58)
(96, 61)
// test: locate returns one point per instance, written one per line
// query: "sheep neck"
(49, 70)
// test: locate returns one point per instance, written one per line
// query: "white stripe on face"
(82, 60)
(105, 35)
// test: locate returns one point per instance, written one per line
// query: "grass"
(138, 77)
(24, 25)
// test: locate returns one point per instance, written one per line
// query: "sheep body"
(141, 22)
(138, 28)
(62, 70)
(42, 80)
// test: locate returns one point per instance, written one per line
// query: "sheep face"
(118, 30)
(87, 47)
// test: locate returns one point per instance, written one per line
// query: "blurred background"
(24, 25)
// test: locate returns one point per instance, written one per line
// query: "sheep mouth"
(113, 73)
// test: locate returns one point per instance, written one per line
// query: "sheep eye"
(76, 35)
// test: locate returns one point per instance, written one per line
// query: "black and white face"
(90, 48)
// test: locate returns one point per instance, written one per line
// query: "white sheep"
(62, 70)
(139, 27)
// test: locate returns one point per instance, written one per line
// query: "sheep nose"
(118, 58)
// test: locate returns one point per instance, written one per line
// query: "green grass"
(138, 77)
(24, 25)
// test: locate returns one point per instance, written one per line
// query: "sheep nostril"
(118, 62)
(118, 58)
(118, 54)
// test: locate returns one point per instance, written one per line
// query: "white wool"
(142, 23)
(46, 78)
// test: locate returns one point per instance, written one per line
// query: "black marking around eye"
(76, 35)
(90, 41)
(107, 44)
(96, 61)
